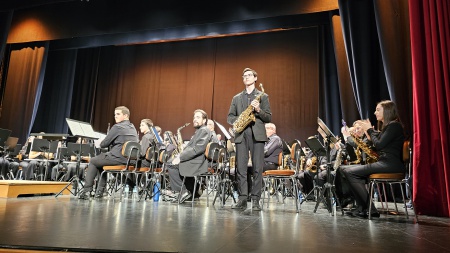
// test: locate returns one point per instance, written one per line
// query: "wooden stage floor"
(46, 223)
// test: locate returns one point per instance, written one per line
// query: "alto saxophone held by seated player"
(372, 155)
(247, 116)
(180, 146)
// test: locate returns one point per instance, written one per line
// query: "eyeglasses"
(247, 75)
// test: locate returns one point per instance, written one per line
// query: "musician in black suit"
(147, 139)
(388, 143)
(120, 133)
(272, 148)
(252, 138)
(192, 161)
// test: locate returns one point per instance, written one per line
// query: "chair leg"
(294, 193)
(181, 190)
(371, 186)
(393, 197)
(195, 190)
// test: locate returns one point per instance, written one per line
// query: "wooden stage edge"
(14, 188)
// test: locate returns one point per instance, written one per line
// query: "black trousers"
(356, 177)
(242, 155)
(96, 167)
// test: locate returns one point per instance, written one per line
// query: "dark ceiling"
(23, 4)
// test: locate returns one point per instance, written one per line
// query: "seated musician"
(388, 143)
(192, 160)
(322, 173)
(306, 175)
(147, 140)
(35, 166)
(216, 137)
(355, 155)
(272, 148)
(70, 169)
(8, 166)
(119, 133)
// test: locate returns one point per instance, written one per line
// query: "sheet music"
(101, 137)
(326, 131)
(224, 131)
(82, 129)
(88, 131)
(75, 127)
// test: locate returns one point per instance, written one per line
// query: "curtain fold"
(23, 88)
(363, 55)
(393, 32)
(56, 98)
(430, 40)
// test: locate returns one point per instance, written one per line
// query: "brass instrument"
(312, 167)
(338, 160)
(372, 155)
(247, 116)
(171, 139)
(233, 162)
(302, 163)
(180, 146)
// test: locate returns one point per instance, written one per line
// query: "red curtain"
(430, 40)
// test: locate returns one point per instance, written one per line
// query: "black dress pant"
(357, 175)
(96, 167)
(242, 155)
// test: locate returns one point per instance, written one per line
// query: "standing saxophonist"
(251, 138)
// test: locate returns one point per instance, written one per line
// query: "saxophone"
(372, 155)
(338, 160)
(312, 167)
(171, 139)
(180, 146)
(247, 116)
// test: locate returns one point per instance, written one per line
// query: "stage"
(68, 224)
(15, 188)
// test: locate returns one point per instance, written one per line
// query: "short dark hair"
(124, 110)
(204, 115)
(149, 122)
(249, 69)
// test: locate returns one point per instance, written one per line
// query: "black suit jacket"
(239, 104)
(192, 160)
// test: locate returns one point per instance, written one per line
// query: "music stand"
(16, 150)
(81, 130)
(225, 184)
(317, 148)
(328, 187)
(42, 145)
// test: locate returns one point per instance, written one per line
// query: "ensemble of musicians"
(253, 149)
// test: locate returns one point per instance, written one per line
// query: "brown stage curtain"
(22, 93)
(166, 82)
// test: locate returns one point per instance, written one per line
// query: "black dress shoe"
(357, 213)
(184, 196)
(346, 201)
(98, 195)
(84, 195)
(256, 206)
(375, 214)
(241, 204)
